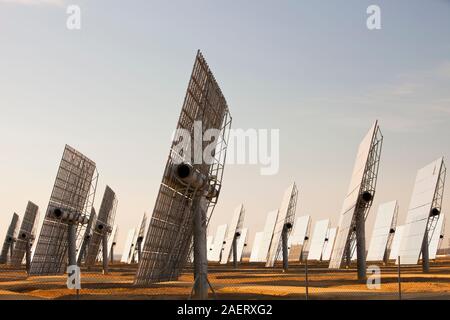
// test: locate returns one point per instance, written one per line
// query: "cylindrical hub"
(186, 173)
(367, 196)
(435, 212)
(69, 216)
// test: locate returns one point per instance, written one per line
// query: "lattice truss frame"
(289, 219)
(437, 203)
(441, 239)
(113, 240)
(73, 192)
(140, 237)
(104, 223)
(167, 244)
(394, 228)
(81, 254)
(142, 227)
(369, 183)
(10, 238)
(235, 226)
(363, 179)
(441, 236)
(26, 234)
(242, 243)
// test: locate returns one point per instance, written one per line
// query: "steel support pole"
(361, 245)
(112, 253)
(11, 249)
(72, 250)
(306, 280)
(139, 248)
(284, 238)
(105, 252)
(235, 262)
(399, 279)
(425, 254)
(200, 250)
(83, 249)
(386, 257)
(303, 249)
(133, 254)
(348, 254)
(28, 255)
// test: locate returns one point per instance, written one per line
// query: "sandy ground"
(248, 281)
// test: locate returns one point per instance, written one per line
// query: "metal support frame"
(72, 240)
(361, 245)
(101, 231)
(306, 280)
(391, 236)
(399, 278)
(25, 236)
(11, 248)
(436, 207)
(200, 249)
(386, 257)
(133, 253)
(348, 255)
(235, 262)
(82, 252)
(140, 239)
(111, 250)
(87, 237)
(363, 204)
(105, 252)
(288, 223)
(28, 255)
(284, 240)
(8, 244)
(425, 254)
(169, 236)
(72, 198)
(139, 248)
(305, 242)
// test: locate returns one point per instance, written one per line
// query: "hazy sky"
(114, 90)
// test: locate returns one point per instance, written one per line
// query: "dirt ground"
(248, 281)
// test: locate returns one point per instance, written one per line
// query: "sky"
(313, 70)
